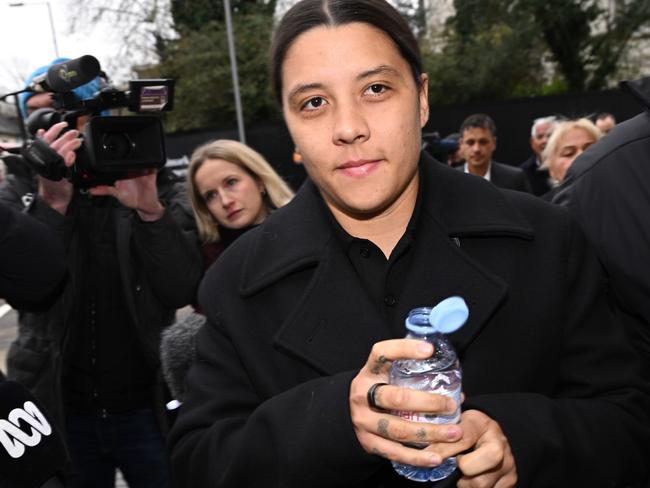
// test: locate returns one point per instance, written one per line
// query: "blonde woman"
(232, 189)
(569, 139)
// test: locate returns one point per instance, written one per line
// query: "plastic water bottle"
(440, 374)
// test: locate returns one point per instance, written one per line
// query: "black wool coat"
(289, 326)
(31, 258)
(538, 178)
(607, 190)
(509, 177)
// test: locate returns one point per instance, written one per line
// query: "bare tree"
(139, 28)
(13, 73)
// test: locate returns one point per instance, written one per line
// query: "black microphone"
(32, 451)
(66, 76)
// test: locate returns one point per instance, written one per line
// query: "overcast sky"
(26, 40)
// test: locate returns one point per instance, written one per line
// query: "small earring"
(296, 157)
(263, 192)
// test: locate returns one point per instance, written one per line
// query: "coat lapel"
(457, 207)
(334, 324)
(444, 270)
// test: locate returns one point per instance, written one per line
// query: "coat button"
(365, 252)
(390, 300)
(138, 287)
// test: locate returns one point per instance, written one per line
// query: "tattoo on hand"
(421, 434)
(379, 365)
(382, 427)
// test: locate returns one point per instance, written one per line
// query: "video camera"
(113, 147)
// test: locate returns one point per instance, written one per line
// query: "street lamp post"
(233, 68)
(49, 12)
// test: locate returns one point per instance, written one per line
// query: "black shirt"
(105, 369)
(383, 279)
(32, 259)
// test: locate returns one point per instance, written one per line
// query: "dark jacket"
(607, 188)
(289, 326)
(160, 267)
(505, 176)
(31, 258)
(538, 178)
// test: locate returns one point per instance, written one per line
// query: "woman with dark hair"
(306, 312)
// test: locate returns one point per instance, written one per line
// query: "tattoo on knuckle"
(379, 364)
(382, 427)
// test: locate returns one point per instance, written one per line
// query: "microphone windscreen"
(32, 450)
(66, 76)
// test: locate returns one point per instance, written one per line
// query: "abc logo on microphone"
(12, 436)
(32, 451)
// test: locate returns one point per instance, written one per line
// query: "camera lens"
(116, 145)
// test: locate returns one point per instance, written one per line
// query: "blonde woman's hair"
(276, 192)
(560, 130)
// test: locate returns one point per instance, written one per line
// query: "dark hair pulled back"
(307, 14)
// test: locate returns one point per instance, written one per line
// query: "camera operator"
(92, 357)
(32, 266)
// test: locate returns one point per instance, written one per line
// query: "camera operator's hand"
(139, 193)
(57, 194)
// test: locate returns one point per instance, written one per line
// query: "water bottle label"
(429, 417)
(433, 418)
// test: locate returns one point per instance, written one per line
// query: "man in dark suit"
(539, 135)
(478, 142)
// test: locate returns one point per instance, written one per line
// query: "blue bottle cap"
(449, 315)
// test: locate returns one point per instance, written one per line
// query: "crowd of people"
(298, 300)
(555, 142)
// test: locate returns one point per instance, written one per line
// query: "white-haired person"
(569, 140)
(540, 132)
